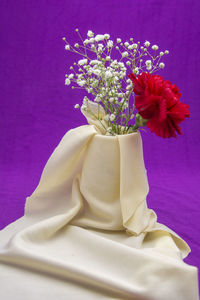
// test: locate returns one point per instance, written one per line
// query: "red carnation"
(157, 100)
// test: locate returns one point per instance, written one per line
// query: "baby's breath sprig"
(105, 78)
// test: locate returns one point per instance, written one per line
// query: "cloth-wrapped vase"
(87, 232)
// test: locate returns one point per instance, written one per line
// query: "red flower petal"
(158, 101)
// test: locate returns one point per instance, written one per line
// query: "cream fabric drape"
(87, 232)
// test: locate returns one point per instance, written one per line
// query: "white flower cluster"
(105, 77)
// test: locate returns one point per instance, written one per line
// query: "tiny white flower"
(108, 58)
(136, 70)
(100, 47)
(119, 40)
(121, 64)
(95, 62)
(161, 53)
(71, 76)
(86, 42)
(76, 106)
(76, 45)
(97, 72)
(166, 52)
(106, 36)
(67, 47)
(124, 54)
(161, 65)
(112, 117)
(110, 44)
(99, 37)
(81, 82)
(91, 41)
(90, 33)
(117, 48)
(154, 47)
(67, 81)
(147, 43)
(111, 99)
(108, 74)
(148, 62)
(126, 44)
(82, 62)
(134, 46)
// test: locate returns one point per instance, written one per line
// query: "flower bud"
(139, 121)
(161, 65)
(67, 81)
(90, 33)
(154, 47)
(147, 43)
(67, 47)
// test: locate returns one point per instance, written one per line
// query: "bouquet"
(123, 93)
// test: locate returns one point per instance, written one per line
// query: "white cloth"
(87, 232)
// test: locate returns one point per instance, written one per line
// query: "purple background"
(36, 108)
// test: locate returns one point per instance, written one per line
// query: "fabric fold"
(88, 220)
(53, 193)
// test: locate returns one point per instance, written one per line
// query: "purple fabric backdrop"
(37, 108)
